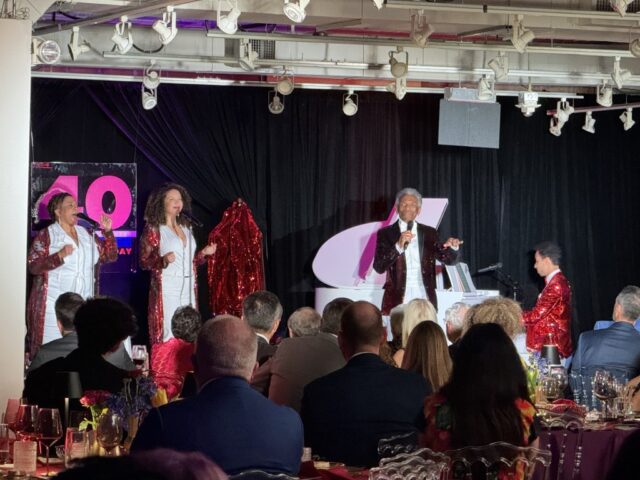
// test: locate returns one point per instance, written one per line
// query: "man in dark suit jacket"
(347, 412)
(408, 262)
(262, 312)
(300, 360)
(227, 420)
(617, 348)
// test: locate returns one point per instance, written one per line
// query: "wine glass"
(25, 422)
(550, 387)
(109, 432)
(48, 429)
(604, 389)
(139, 356)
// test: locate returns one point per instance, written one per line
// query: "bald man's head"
(361, 329)
(226, 347)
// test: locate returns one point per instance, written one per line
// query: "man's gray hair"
(226, 346)
(629, 301)
(409, 191)
(304, 322)
(261, 309)
(454, 315)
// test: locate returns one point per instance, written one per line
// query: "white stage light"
(350, 103)
(634, 47)
(485, 89)
(285, 84)
(75, 49)
(247, 55)
(276, 104)
(398, 87)
(228, 23)
(627, 119)
(620, 6)
(555, 127)
(295, 10)
(520, 36)
(589, 123)
(122, 36)
(528, 102)
(500, 66)
(604, 94)
(44, 51)
(420, 30)
(166, 27)
(399, 69)
(378, 3)
(619, 75)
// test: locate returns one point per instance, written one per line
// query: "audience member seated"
(302, 359)
(347, 412)
(454, 324)
(304, 322)
(66, 307)
(486, 400)
(416, 311)
(159, 464)
(504, 312)
(171, 360)
(262, 311)
(427, 354)
(227, 420)
(101, 324)
(617, 348)
(396, 316)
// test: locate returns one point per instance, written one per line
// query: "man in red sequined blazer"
(549, 322)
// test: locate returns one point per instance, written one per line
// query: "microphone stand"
(508, 280)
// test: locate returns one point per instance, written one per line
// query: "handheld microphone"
(86, 218)
(409, 228)
(490, 268)
(192, 219)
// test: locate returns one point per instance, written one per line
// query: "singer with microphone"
(407, 251)
(169, 251)
(63, 257)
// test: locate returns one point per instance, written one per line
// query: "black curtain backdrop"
(311, 172)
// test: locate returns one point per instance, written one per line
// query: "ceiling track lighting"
(619, 75)
(44, 51)
(420, 29)
(122, 36)
(486, 92)
(399, 69)
(285, 84)
(276, 104)
(627, 119)
(295, 10)
(228, 22)
(150, 84)
(563, 110)
(555, 126)
(378, 3)
(620, 6)
(398, 87)
(589, 123)
(528, 102)
(247, 56)
(520, 36)
(350, 103)
(634, 47)
(166, 28)
(75, 48)
(604, 94)
(500, 66)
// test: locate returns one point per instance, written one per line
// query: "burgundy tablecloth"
(583, 454)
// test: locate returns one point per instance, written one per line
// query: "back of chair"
(392, 446)
(422, 464)
(497, 459)
(260, 475)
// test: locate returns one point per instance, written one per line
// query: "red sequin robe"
(236, 269)
(170, 362)
(40, 262)
(150, 259)
(550, 320)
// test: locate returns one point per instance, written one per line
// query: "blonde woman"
(428, 355)
(416, 311)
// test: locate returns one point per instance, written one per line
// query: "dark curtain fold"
(312, 172)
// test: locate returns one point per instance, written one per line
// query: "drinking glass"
(25, 422)
(11, 412)
(550, 388)
(604, 388)
(139, 356)
(4, 443)
(109, 432)
(48, 430)
(76, 445)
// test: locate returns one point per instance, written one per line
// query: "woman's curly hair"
(55, 202)
(154, 211)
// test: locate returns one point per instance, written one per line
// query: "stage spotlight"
(149, 98)
(555, 126)
(485, 89)
(285, 84)
(500, 66)
(44, 51)
(398, 87)
(276, 104)
(420, 30)
(589, 123)
(75, 49)
(634, 47)
(563, 110)
(247, 55)
(228, 23)
(528, 102)
(399, 69)
(620, 6)
(520, 36)
(350, 103)
(619, 75)
(150, 84)
(166, 27)
(627, 119)
(604, 94)
(378, 3)
(295, 10)
(122, 36)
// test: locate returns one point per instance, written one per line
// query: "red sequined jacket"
(550, 320)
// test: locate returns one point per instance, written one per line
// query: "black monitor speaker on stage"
(469, 124)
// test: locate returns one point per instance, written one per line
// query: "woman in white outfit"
(168, 250)
(63, 258)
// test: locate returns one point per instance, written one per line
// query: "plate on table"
(321, 465)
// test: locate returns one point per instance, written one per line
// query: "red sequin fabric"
(550, 320)
(170, 362)
(236, 269)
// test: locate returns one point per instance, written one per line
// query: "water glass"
(4, 443)
(109, 432)
(76, 445)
